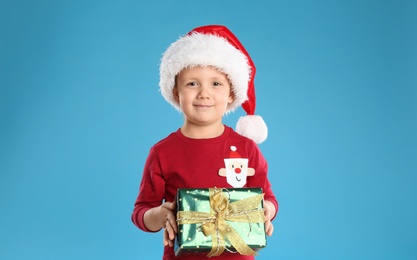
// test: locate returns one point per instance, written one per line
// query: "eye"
(216, 84)
(192, 84)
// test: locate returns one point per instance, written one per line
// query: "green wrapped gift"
(218, 221)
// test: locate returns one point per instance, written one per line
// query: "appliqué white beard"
(237, 180)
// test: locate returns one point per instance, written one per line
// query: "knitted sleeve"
(151, 190)
(260, 179)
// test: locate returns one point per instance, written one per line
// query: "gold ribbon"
(215, 223)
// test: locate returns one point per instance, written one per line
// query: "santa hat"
(234, 153)
(216, 46)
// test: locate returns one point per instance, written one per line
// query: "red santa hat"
(234, 153)
(216, 46)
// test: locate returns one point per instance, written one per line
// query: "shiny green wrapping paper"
(191, 240)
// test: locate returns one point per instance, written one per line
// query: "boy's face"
(203, 94)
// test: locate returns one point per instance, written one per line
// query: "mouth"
(238, 179)
(202, 105)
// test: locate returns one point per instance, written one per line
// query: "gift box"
(218, 221)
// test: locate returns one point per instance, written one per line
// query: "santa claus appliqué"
(236, 169)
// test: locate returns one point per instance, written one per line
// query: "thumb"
(170, 205)
(173, 205)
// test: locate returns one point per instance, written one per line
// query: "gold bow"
(215, 222)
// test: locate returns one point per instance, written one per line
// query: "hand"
(170, 223)
(162, 216)
(269, 210)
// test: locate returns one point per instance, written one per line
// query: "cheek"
(182, 97)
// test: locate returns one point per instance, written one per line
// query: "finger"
(270, 229)
(169, 237)
(171, 220)
(166, 239)
(170, 230)
(174, 225)
(170, 216)
(268, 225)
(267, 214)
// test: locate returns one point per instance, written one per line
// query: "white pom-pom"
(252, 127)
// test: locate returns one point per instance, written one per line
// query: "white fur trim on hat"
(253, 127)
(198, 49)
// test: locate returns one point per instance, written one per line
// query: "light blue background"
(80, 108)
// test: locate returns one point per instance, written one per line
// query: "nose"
(238, 170)
(204, 92)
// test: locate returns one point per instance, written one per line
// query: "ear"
(231, 96)
(175, 94)
(222, 172)
(250, 172)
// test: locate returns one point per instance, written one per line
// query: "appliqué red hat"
(216, 46)
(234, 153)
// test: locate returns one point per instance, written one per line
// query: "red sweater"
(181, 162)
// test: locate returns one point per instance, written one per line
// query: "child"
(205, 75)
